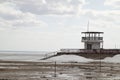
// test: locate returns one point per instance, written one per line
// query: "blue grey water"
(22, 55)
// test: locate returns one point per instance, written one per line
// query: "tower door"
(89, 46)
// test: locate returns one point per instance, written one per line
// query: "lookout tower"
(92, 40)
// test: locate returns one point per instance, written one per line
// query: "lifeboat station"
(93, 47)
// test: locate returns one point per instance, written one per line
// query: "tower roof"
(94, 32)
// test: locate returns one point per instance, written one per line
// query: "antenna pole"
(88, 27)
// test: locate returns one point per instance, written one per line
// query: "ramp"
(49, 55)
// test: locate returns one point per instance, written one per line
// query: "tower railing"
(92, 39)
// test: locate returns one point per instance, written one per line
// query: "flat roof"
(94, 32)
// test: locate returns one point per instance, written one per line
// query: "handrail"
(90, 51)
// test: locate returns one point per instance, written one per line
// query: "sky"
(49, 25)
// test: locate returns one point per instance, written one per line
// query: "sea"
(23, 55)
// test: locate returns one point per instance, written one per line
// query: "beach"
(29, 66)
(44, 70)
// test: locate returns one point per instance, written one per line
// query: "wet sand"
(28, 70)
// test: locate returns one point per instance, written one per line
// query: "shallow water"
(21, 55)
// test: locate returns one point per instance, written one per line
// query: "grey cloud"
(10, 16)
(1, 1)
(49, 6)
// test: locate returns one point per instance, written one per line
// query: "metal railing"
(91, 51)
(92, 38)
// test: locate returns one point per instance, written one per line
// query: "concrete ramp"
(49, 55)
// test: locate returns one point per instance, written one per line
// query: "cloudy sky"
(45, 25)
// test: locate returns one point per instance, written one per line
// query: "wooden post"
(55, 70)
